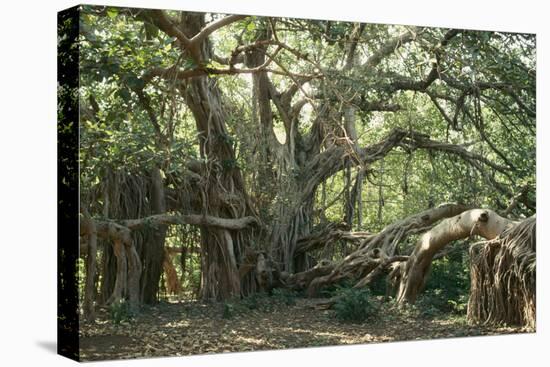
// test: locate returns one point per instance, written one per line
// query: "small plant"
(354, 305)
(460, 306)
(252, 302)
(285, 296)
(229, 310)
(119, 311)
(335, 289)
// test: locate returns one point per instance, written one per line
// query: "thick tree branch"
(163, 22)
(335, 158)
(214, 26)
(483, 222)
(193, 219)
(192, 45)
(389, 48)
(380, 249)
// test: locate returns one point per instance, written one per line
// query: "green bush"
(119, 311)
(253, 301)
(448, 286)
(354, 305)
(378, 286)
(229, 310)
(335, 289)
(286, 296)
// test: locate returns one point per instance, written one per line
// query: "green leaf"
(124, 93)
(134, 82)
(169, 40)
(112, 12)
(151, 31)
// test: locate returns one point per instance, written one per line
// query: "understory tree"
(301, 152)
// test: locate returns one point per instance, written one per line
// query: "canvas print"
(234, 183)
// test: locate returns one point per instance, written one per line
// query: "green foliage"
(252, 302)
(354, 305)
(285, 296)
(336, 288)
(120, 312)
(229, 310)
(378, 286)
(259, 302)
(448, 285)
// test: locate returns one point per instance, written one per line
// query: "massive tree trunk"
(224, 193)
(482, 222)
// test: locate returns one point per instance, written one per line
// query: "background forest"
(252, 161)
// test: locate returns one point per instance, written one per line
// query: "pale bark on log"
(193, 219)
(482, 222)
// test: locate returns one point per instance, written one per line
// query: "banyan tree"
(281, 152)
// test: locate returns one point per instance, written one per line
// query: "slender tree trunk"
(153, 249)
(88, 225)
(121, 273)
(108, 272)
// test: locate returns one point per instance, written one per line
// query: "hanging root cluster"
(503, 280)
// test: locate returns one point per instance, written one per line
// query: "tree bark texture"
(483, 222)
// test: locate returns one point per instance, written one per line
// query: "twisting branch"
(336, 157)
(163, 22)
(192, 45)
(389, 47)
(214, 26)
(379, 250)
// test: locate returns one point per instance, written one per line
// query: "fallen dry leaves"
(186, 328)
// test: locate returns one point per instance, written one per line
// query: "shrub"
(354, 305)
(229, 310)
(448, 286)
(252, 302)
(286, 296)
(335, 289)
(119, 311)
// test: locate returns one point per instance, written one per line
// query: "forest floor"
(186, 328)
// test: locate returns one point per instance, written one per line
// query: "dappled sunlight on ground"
(185, 328)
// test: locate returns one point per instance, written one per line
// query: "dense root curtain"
(503, 276)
